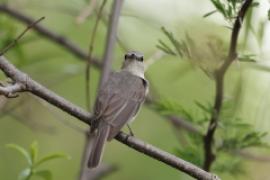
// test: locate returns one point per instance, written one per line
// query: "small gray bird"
(117, 104)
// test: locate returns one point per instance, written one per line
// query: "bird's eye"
(140, 59)
(126, 56)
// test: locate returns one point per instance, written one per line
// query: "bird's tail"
(98, 142)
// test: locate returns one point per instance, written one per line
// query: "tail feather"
(98, 142)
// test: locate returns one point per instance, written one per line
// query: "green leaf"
(34, 151)
(268, 14)
(207, 109)
(220, 7)
(45, 174)
(25, 174)
(22, 151)
(52, 157)
(164, 47)
(209, 13)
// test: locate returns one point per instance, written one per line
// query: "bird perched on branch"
(117, 104)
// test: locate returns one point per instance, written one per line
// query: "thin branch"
(48, 34)
(45, 94)
(15, 41)
(11, 90)
(111, 39)
(88, 63)
(209, 155)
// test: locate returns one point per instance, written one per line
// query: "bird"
(117, 104)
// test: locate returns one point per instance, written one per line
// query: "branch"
(209, 155)
(10, 90)
(45, 94)
(50, 35)
(165, 157)
(88, 63)
(111, 39)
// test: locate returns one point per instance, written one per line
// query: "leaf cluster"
(33, 163)
(228, 8)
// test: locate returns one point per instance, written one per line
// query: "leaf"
(164, 47)
(45, 174)
(34, 151)
(208, 109)
(220, 7)
(268, 14)
(51, 157)
(22, 151)
(209, 13)
(25, 174)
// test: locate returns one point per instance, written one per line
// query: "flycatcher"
(117, 104)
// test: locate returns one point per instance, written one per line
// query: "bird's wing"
(119, 100)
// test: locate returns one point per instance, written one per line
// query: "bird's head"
(133, 63)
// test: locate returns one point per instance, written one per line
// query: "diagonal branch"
(209, 155)
(58, 101)
(48, 34)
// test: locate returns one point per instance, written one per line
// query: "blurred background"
(173, 79)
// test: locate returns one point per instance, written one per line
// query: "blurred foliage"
(228, 8)
(7, 35)
(33, 168)
(232, 135)
(208, 59)
(52, 65)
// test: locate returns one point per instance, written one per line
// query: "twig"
(50, 35)
(209, 155)
(15, 41)
(45, 94)
(88, 63)
(11, 90)
(111, 39)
